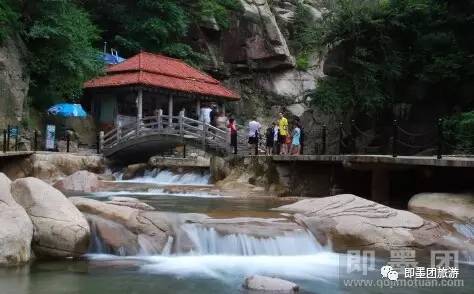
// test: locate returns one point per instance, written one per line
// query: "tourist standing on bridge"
(233, 134)
(205, 114)
(296, 142)
(300, 125)
(213, 116)
(283, 134)
(276, 132)
(269, 136)
(254, 132)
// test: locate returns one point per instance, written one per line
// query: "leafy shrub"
(8, 18)
(302, 61)
(459, 131)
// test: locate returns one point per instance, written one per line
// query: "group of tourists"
(279, 138)
(211, 115)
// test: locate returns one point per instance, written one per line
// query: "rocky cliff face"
(14, 81)
(254, 57)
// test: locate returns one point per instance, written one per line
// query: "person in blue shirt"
(296, 142)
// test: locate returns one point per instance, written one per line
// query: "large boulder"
(53, 166)
(457, 206)
(60, 230)
(16, 229)
(80, 181)
(111, 237)
(147, 226)
(290, 83)
(268, 284)
(353, 222)
(254, 36)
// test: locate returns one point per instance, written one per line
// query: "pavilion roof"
(154, 70)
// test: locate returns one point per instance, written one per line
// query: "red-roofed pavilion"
(147, 82)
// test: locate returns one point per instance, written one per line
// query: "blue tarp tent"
(67, 110)
(112, 59)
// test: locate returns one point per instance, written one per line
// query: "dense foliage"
(64, 37)
(60, 37)
(8, 18)
(391, 51)
(157, 26)
(459, 132)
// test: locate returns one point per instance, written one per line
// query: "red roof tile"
(163, 72)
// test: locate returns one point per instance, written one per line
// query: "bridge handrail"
(180, 126)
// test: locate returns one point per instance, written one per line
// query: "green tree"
(386, 49)
(9, 18)
(60, 37)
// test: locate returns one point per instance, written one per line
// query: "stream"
(218, 263)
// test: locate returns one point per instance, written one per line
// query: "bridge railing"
(182, 126)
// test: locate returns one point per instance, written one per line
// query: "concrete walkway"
(448, 161)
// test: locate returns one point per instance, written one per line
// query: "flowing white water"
(154, 192)
(96, 243)
(209, 241)
(466, 229)
(322, 265)
(167, 177)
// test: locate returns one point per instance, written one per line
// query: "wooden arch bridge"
(151, 135)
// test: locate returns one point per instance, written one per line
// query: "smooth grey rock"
(16, 229)
(457, 206)
(271, 285)
(80, 181)
(60, 229)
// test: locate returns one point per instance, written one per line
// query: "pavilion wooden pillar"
(140, 104)
(170, 110)
(198, 108)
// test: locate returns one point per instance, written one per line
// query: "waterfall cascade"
(465, 229)
(167, 177)
(208, 241)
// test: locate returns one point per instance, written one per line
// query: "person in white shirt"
(205, 114)
(254, 131)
